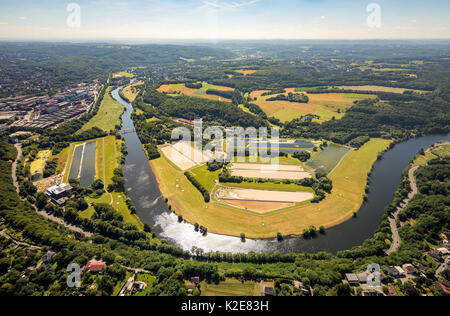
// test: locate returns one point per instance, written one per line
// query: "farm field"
(173, 89)
(325, 105)
(245, 72)
(230, 287)
(108, 116)
(349, 181)
(123, 74)
(131, 91)
(328, 159)
(184, 156)
(379, 89)
(268, 171)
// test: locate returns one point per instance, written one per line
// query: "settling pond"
(142, 188)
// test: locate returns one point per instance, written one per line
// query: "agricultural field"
(184, 156)
(378, 89)
(123, 74)
(268, 171)
(108, 116)
(230, 287)
(245, 72)
(131, 91)
(325, 105)
(349, 182)
(328, 159)
(174, 89)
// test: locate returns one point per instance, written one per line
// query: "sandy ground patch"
(184, 156)
(263, 195)
(291, 172)
(245, 72)
(258, 207)
(38, 165)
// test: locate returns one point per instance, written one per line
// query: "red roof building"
(96, 266)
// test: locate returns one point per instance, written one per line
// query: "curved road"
(396, 241)
(42, 213)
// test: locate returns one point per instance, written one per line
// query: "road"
(55, 219)
(396, 241)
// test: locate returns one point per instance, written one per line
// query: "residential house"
(441, 289)
(396, 272)
(352, 279)
(96, 266)
(300, 287)
(410, 269)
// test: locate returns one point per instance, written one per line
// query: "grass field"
(200, 93)
(123, 74)
(349, 181)
(325, 105)
(108, 116)
(147, 278)
(206, 177)
(328, 159)
(230, 287)
(439, 151)
(379, 89)
(131, 91)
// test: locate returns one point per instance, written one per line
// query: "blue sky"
(224, 19)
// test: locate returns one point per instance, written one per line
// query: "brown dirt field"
(184, 156)
(291, 172)
(263, 195)
(245, 72)
(258, 207)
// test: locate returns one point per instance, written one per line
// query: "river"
(142, 189)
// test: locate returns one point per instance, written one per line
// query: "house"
(392, 291)
(436, 255)
(362, 277)
(48, 257)
(410, 269)
(441, 289)
(269, 290)
(60, 191)
(96, 266)
(140, 286)
(352, 279)
(443, 251)
(299, 287)
(396, 272)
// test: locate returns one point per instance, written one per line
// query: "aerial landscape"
(199, 152)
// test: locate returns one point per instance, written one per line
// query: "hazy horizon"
(218, 20)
